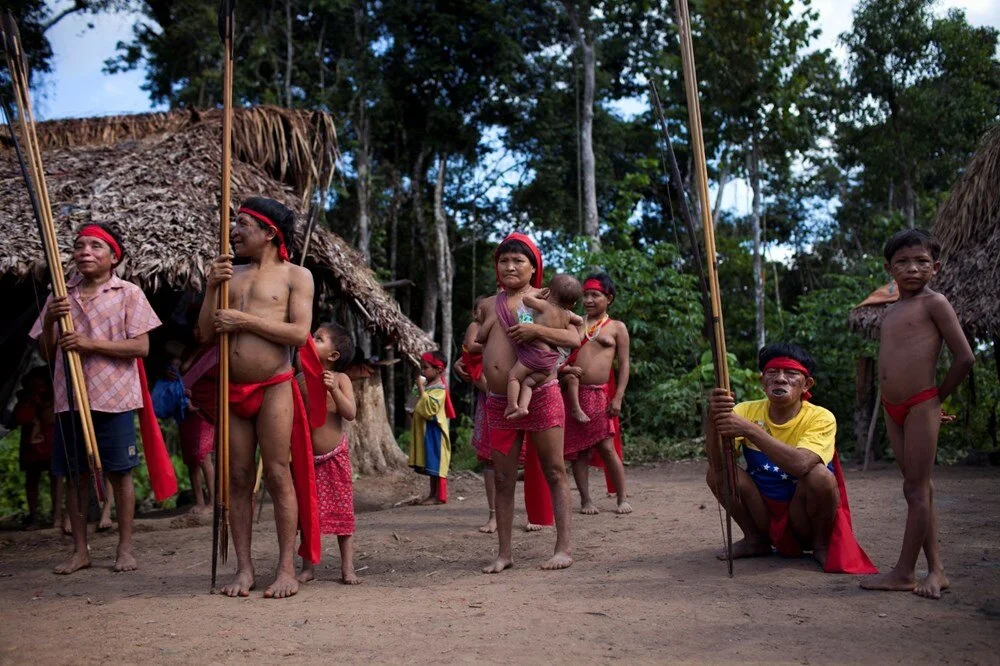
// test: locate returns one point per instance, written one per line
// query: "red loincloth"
(898, 413)
(245, 401)
(197, 439)
(845, 554)
(580, 437)
(473, 364)
(335, 490)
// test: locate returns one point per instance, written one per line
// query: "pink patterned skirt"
(335, 490)
(582, 436)
(197, 439)
(480, 431)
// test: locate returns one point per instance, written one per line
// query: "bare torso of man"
(264, 292)
(905, 369)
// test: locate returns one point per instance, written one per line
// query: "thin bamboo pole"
(38, 192)
(720, 357)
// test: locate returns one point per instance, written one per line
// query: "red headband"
(433, 361)
(536, 279)
(594, 285)
(282, 250)
(786, 363)
(94, 231)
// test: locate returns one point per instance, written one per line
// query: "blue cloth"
(169, 401)
(772, 482)
(432, 449)
(116, 443)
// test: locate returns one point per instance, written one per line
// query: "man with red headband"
(270, 311)
(111, 321)
(791, 496)
(430, 446)
(593, 395)
(519, 271)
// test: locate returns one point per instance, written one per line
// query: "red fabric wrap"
(580, 437)
(785, 363)
(335, 490)
(282, 249)
(245, 401)
(536, 279)
(162, 479)
(898, 413)
(473, 364)
(95, 231)
(611, 388)
(594, 285)
(845, 553)
(312, 370)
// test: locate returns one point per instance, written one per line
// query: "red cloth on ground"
(898, 413)
(245, 401)
(197, 438)
(845, 554)
(162, 478)
(611, 387)
(581, 437)
(335, 490)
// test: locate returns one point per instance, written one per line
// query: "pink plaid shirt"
(118, 311)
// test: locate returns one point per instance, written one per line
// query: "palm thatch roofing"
(156, 177)
(968, 226)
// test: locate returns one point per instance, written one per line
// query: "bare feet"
(307, 574)
(76, 562)
(558, 561)
(284, 585)
(532, 527)
(348, 577)
(589, 509)
(200, 509)
(429, 501)
(820, 553)
(67, 526)
(580, 415)
(105, 524)
(491, 525)
(241, 586)
(125, 560)
(890, 582)
(518, 412)
(498, 566)
(623, 508)
(933, 585)
(746, 548)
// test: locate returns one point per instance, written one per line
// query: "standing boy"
(430, 445)
(271, 311)
(331, 455)
(111, 320)
(912, 332)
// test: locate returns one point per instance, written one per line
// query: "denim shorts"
(116, 443)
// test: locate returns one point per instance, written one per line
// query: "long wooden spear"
(220, 523)
(34, 179)
(720, 359)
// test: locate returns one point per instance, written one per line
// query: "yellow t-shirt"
(813, 428)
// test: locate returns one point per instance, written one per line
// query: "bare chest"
(259, 292)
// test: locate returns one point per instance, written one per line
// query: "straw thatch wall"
(968, 226)
(156, 176)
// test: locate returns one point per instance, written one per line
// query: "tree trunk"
(371, 440)
(289, 53)
(428, 319)
(717, 208)
(864, 402)
(443, 260)
(909, 203)
(364, 144)
(585, 42)
(390, 370)
(753, 166)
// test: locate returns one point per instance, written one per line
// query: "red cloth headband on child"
(94, 231)
(785, 363)
(594, 285)
(282, 250)
(429, 359)
(432, 361)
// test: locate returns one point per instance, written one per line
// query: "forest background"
(463, 120)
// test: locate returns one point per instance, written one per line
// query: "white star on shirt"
(784, 477)
(767, 467)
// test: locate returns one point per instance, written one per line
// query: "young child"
(331, 456)
(197, 430)
(472, 360)
(553, 308)
(430, 446)
(36, 418)
(112, 320)
(912, 332)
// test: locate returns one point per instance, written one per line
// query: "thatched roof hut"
(156, 176)
(968, 226)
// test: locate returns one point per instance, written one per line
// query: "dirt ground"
(644, 588)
